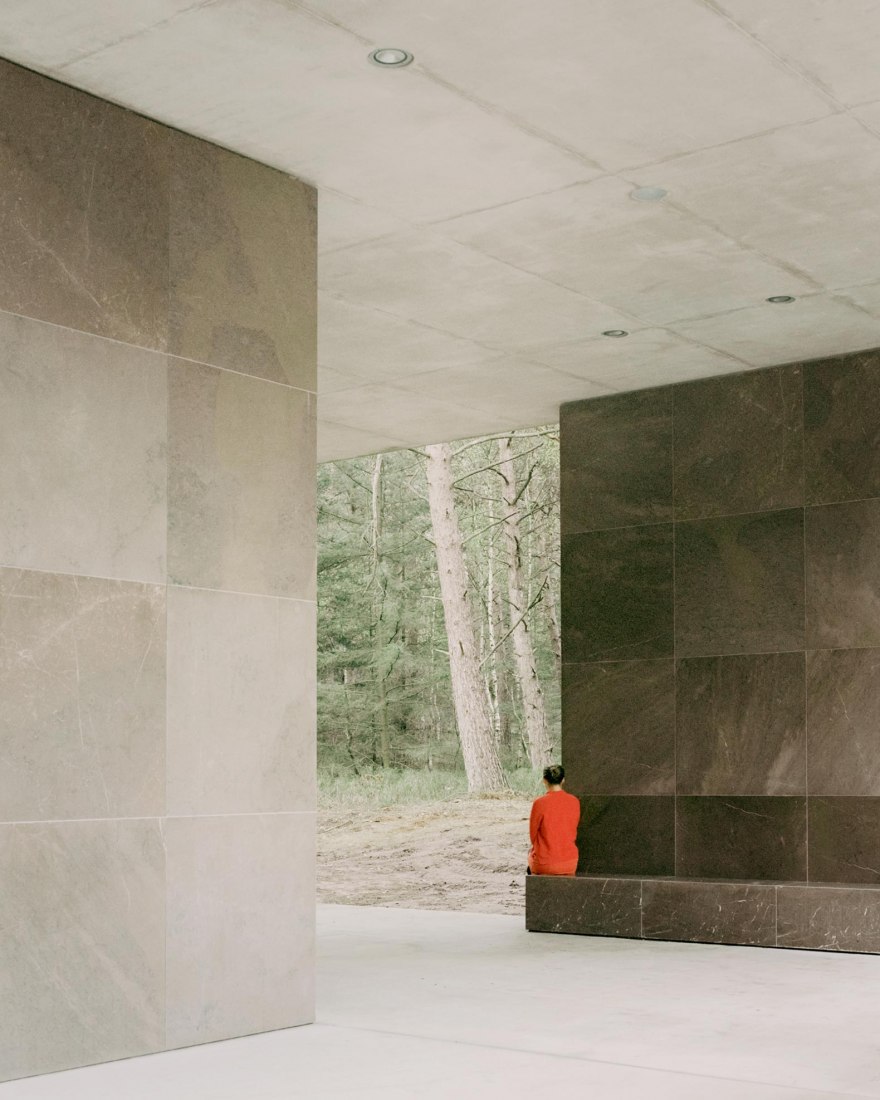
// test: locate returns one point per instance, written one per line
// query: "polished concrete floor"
(421, 1005)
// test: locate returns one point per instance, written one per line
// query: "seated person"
(553, 828)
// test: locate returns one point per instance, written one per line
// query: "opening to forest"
(438, 669)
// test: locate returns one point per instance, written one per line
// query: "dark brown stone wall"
(721, 629)
(810, 916)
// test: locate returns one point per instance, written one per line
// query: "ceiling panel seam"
(803, 73)
(145, 29)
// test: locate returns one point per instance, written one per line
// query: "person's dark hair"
(554, 774)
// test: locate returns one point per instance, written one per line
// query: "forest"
(438, 629)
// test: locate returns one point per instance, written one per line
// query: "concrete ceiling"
(476, 226)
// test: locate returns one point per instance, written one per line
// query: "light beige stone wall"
(157, 586)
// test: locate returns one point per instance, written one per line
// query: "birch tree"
(478, 746)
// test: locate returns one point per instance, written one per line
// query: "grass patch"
(394, 786)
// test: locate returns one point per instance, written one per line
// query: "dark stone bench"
(811, 915)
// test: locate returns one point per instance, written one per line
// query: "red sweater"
(553, 829)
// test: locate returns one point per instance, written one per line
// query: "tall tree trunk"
(534, 713)
(500, 663)
(504, 696)
(552, 608)
(491, 672)
(478, 749)
(379, 583)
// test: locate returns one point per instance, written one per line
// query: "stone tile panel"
(241, 703)
(616, 461)
(709, 912)
(741, 725)
(825, 918)
(84, 200)
(627, 835)
(241, 915)
(243, 265)
(739, 443)
(842, 428)
(843, 575)
(739, 584)
(617, 594)
(82, 453)
(843, 707)
(741, 838)
(619, 722)
(82, 955)
(586, 906)
(241, 483)
(82, 680)
(844, 836)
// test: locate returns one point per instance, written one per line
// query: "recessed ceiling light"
(389, 57)
(780, 299)
(615, 332)
(648, 194)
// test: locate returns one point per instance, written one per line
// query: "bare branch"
(535, 601)
(515, 434)
(493, 467)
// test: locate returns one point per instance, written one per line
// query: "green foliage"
(391, 786)
(384, 693)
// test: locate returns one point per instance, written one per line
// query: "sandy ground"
(467, 854)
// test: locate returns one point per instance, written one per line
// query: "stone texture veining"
(741, 838)
(627, 835)
(767, 773)
(739, 584)
(709, 912)
(739, 444)
(243, 265)
(588, 906)
(843, 839)
(829, 919)
(818, 917)
(82, 955)
(122, 241)
(616, 461)
(84, 206)
(842, 428)
(617, 594)
(843, 575)
(82, 683)
(843, 749)
(82, 453)
(741, 725)
(241, 498)
(620, 723)
(240, 925)
(241, 703)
